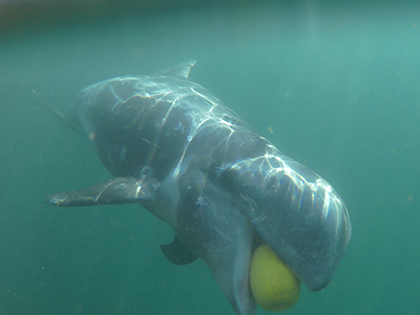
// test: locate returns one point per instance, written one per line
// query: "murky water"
(335, 87)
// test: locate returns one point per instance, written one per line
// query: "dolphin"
(175, 149)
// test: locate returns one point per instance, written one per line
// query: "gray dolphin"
(175, 149)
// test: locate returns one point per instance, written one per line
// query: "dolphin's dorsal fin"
(182, 70)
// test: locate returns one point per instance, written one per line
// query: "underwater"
(334, 85)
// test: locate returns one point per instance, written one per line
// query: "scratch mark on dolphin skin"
(119, 100)
(221, 233)
(102, 191)
(201, 202)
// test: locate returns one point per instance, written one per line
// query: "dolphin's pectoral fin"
(215, 230)
(115, 191)
(177, 253)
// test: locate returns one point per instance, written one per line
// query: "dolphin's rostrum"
(178, 151)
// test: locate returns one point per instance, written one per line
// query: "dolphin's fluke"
(115, 191)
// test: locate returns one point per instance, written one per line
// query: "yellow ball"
(273, 285)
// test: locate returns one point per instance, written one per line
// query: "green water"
(340, 87)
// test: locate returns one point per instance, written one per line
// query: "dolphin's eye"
(146, 171)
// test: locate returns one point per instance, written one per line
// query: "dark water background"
(339, 84)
